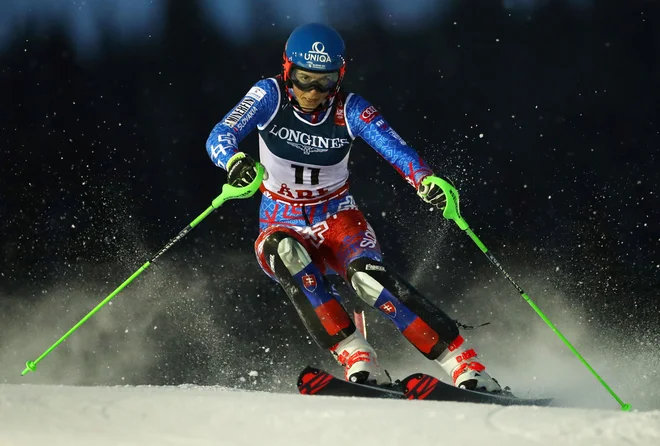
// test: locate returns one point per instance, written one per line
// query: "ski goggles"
(307, 80)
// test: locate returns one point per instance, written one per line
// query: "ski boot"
(466, 371)
(359, 361)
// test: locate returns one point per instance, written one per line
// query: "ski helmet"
(318, 48)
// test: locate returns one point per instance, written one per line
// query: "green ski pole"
(452, 212)
(228, 193)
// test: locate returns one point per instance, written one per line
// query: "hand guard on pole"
(433, 193)
(241, 170)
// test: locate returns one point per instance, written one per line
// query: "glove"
(241, 170)
(433, 194)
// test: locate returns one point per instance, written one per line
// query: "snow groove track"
(201, 416)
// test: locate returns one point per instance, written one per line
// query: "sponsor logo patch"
(305, 142)
(339, 113)
(369, 114)
(241, 109)
(256, 93)
(371, 267)
(317, 53)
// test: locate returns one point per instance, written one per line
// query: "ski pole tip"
(626, 407)
(30, 366)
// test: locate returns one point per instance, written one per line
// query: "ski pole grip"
(232, 192)
(452, 211)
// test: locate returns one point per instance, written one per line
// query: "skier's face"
(309, 100)
(311, 97)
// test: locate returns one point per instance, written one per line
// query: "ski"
(418, 386)
(314, 381)
(421, 386)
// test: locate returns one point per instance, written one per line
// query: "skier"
(310, 225)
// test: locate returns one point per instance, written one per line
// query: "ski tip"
(312, 380)
(420, 386)
(307, 371)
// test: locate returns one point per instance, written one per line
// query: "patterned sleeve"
(366, 122)
(255, 109)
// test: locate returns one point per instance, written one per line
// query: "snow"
(200, 416)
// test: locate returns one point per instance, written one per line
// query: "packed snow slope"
(200, 416)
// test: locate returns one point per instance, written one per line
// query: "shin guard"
(315, 300)
(427, 327)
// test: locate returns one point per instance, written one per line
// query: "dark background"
(545, 115)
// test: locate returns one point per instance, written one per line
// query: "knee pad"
(360, 275)
(282, 244)
(292, 253)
